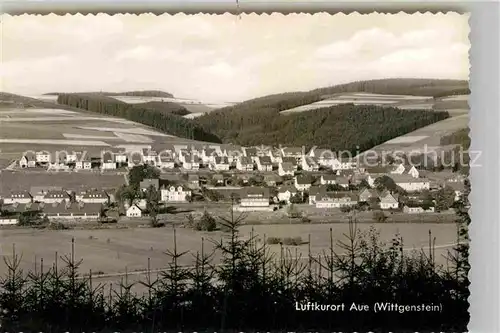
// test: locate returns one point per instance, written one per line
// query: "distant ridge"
(138, 93)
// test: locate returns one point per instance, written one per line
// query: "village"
(252, 179)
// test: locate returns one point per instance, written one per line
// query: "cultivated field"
(192, 106)
(51, 129)
(457, 103)
(118, 250)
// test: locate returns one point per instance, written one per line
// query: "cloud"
(220, 57)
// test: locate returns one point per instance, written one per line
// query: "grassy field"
(119, 250)
(12, 181)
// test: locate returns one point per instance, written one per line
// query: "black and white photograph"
(235, 173)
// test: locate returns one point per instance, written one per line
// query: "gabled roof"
(249, 192)
(245, 160)
(405, 178)
(286, 166)
(303, 180)
(56, 194)
(315, 190)
(293, 150)
(221, 160)
(265, 160)
(251, 152)
(285, 188)
(328, 177)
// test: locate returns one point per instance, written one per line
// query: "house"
(220, 164)
(193, 180)
(148, 182)
(108, 161)
(42, 157)
(411, 208)
(218, 179)
(208, 156)
(54, 196)
(285, 193)
(134, 211)
(95, 161)
(264, 163)
(343, 164)
(134, 159)
(303, 183)
(39, 192)
(254, 199)
(21, 197)
(175, 194)
(343, 182)
(328, 179)
(409, 183)
(459, 189)
(336, 200)
(251, 152)
(165, 162)
(406, 169)
(295, 152)
(314, 192)
(286, 169)
(275, 156)
(94, 196)
(59, 162)
(292, 161)
(28, 160)
(367, 194)
(149, 156)
(72, 210)
(272, 179)
(232, 154)
(191, 162)
(121, 157)
(83, 162)
(388, 201)
(309, 164)
(324, 157)
(244, 163)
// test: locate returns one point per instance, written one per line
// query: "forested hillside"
(342, 127)
(141, 93)
(167, 122)
(167, 107)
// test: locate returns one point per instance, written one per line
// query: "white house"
(309, 164)
(108, 161)
(303, 183)
(72, 157)
(165, 162)
(42, 157)
(220, 164)
(83, 162)
(21, 197)
(252, 153)
(328, 179)
(244, 163)
(367, 194)
(406, 169)
(121, 157)
(336, 200)
(316, 192)
(412, 209)
(286, 169)
(191, 162)
(149, 156)
(264, 163)
(295, 152)
(388, 201)
(175, 194)
(55, 197)
(254, 199)
(94, 196)
(134, 211)
(28, 160)
(275, 156)
(208, 156)
(285, 193)
(409, 183)
(324, 157)
(59, 162)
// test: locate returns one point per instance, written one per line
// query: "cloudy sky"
(222, 58)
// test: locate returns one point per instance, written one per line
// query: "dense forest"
(142, 93)
(258, 121)
(167, 122)
(460, 137)
(342, 127)
(167, 107)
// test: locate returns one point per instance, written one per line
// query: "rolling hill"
(342, 126)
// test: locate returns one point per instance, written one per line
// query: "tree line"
(141, 93)
(251, 289)
(167, 122)
(338, 128)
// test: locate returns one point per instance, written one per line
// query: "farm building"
(175, 194)
(134, 211)
(336, 200)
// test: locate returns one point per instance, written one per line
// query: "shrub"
(379, 216)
